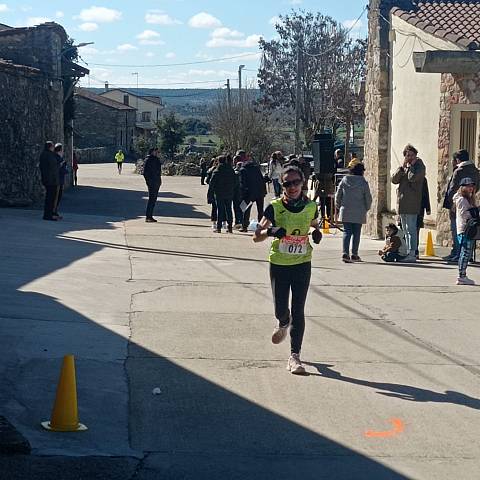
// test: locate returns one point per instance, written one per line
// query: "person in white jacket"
(275, 168)
(466, 209)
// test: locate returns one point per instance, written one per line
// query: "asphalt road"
(392, 390)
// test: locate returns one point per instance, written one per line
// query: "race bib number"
(293, 245)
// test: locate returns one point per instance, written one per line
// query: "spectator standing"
(211, 198)
(50, 179)
(62, 173)
(306, 169)
(253, 189)
(275, 172)
(353, 200)
(463, 167)
(222, 187)
(203, 171)
(75, 169)
(409, 178)
(339, 158)
(237, 196)
(119, 158)
(466, 209)
(152, 172)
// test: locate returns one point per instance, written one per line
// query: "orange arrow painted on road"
(398, 427)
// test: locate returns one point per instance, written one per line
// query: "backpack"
(472, 229)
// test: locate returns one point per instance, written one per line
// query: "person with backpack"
(288, 221)
(466, 211)
(463, 167)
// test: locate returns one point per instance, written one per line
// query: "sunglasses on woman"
(293, 183)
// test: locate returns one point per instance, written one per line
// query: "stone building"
(422, 88)
(102, 122)
(149, 108)
(31, 94)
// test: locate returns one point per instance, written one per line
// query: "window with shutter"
(468, 132)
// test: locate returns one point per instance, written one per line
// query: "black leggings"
(297, 279)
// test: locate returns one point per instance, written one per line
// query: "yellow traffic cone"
(65, 412)
(429, 250)
(326, 226)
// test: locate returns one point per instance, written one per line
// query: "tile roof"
(456, 21)
(148, 98)
(81, 92)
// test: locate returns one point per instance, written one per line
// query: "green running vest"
(295, 224)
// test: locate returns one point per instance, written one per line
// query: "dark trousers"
(203, 176)
(75, 178)
(246, 213)
(50, 199)
(224, 212)
(297, 279)
(352, 232)
(277, 188)
(392, 257)
(152, 198)
(214, 212)
(326, 207)
(58, 199)
(238, 211)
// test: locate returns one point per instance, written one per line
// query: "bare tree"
(243, 125)
(327, 61)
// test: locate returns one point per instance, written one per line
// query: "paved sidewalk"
(174, 306)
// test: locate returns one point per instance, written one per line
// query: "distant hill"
(186, 102)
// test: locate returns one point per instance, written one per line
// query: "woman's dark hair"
(393, 227)
(358, 169)
(151, 151)
(229, 159)
(292, 169)
(409, 148)
(222, 159)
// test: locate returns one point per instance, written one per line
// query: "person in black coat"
(152, 172)
(222, 187)
(62, 173)
(50, 179)
(253, 189)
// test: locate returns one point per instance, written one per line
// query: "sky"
(130, 37)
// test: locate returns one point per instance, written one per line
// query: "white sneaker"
(224, 225)
(279, 333)
(465, 281)
(214, 226)
(295, 365)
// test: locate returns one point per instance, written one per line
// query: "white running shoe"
(214, 226)
(295, 364)
(279, 332)
(465, 281)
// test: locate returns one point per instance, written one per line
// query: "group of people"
(53, 171)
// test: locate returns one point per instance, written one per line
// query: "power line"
(213, 60)
(320, 54)
(162, 84)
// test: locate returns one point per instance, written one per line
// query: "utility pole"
(240, 68)
(298, 92)
(229, 95)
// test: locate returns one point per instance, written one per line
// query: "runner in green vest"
(289, 220)
(119, 157)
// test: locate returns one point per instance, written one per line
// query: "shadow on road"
(204, 430)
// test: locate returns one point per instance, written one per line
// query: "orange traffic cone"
(65, 412)
(429, 250)
(326, 226)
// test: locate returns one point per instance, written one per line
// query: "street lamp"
(240, 68)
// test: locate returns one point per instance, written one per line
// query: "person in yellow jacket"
(289, 221)
(119, 157)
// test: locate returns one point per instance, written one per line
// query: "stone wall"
(93, 155)
(455, 89)
(97, 125)
(377, 101)
(39, 47)
(31, 113)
